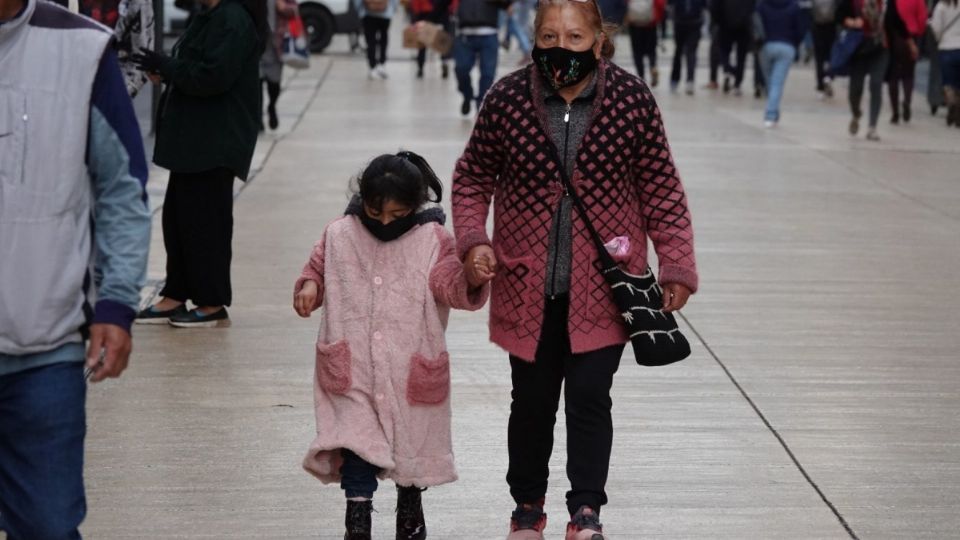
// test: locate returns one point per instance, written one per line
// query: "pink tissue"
(620, 246)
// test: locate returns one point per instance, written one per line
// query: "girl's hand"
(305, 298)
(675, 296)
(480, 266)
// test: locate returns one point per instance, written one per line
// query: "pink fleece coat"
(382, 380)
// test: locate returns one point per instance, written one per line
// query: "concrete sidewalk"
(821, 400)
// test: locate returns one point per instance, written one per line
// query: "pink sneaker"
(585, 525)
(528, 522)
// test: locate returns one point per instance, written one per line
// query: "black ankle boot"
(410, 522)
(358, 520)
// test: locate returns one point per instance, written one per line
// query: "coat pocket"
(333, 367)
(429, 380)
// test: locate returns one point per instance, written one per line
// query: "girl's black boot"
(410, 522)
(358, 520)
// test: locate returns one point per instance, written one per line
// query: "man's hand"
(149, 61)
(115, 344)
(305, 298)
(675, 296)
(480, 265)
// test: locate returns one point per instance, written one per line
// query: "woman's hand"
(675, 296)
(305, 298)
(855, 23)
(480, 265)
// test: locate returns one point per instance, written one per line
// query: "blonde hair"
(590, 10)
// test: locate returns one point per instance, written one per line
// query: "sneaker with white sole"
(196, 319)
(382, 72)
(585, 525)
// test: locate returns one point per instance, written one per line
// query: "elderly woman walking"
(571, 110)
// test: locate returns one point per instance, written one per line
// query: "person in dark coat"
(207, 128)
(871, 58)
(734, 19)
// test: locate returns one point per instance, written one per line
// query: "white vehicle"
(321, 18)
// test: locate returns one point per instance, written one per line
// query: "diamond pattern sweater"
(625, 175)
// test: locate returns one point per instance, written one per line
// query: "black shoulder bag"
(656, 339)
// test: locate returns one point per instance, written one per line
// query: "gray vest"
(48, 61)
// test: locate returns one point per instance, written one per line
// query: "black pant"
(643, 41)
(741, 38)
(823, 37)
(444, 21)
(715, 53)
(874, 65)
(687, 38)
(375, 31)
(197, 232)
(533, 413)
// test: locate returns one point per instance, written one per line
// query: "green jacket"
(209, 112)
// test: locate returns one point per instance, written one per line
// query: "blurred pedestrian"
(687, 24)
(74, 237)
(715, 54)
(870, 59)
(134, 33)
(477, 23)
(279, 13)
(207, 128)
(573, 118)
(436, 12)
(824, 32)
(375, 15)
(783, 32)
(734, 19)
(643, 20)
(510, 21)
(906, 22)
(945, 24)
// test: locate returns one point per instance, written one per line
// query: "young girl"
(387, 275)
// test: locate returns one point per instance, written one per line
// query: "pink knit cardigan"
(625, 174)
(382, 380)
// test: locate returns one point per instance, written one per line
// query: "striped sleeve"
(118, 171)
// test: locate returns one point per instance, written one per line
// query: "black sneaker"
(152, 315)
(410, 522)
(196, 319)
(465, 107)
(358, 520)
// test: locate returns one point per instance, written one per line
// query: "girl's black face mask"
(391, 231)
(563, 67)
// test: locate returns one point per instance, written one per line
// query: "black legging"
(823, 37)
(444, 21)
(875, 65)
(375, 31)
(740, 37)
(687, 38)
(643, 40)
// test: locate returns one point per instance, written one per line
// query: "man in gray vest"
(74, 236)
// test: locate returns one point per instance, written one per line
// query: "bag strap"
(950, 24)
(605, 257)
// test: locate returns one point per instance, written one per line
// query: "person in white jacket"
(945, 24)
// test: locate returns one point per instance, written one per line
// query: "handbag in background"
(294, 51)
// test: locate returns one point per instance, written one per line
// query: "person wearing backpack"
(945, 24)
(375, 15)
(783, 32)
(687, 21)
(824, 32)
(643, 18)
(734, 18)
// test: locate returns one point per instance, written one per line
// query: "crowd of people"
(80, 228)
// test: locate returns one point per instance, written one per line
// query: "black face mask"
(563, 67)
(391, 231)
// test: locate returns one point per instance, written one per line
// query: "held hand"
(305, 298)
(675, 296)
(855, 23)
(115, 345)
(149, 61)
(480, 265)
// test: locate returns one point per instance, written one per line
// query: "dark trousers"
(741, 39)
(643, 41)
(466, 51)
(197, 233)
(823, 37)
(716, 54)
(900, 72)
(533, 413)
(42, 427)
(375, 32)
(873, 65)
(442, 20)
(358, 478)
(687, 38)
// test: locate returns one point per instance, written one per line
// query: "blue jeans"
(516, 30)
(950, 67)
(357, 477)
(466, 50)
(775, 59)
(42, 426)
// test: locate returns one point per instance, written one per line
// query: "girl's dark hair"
(405, 178)
(258, 12)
